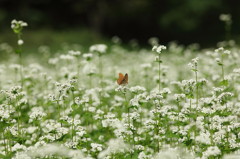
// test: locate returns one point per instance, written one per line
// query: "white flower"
(225, 17)
(20, 42)
(17, 147)
(88, 56)
(158, 49)
(18, 24)
(96, 147)
(211, 151)
(204, 137)
(100, 48)
(137, 89)
(36, 113)
(74, 53)
(114, 146)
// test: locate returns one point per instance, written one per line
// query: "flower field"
(176, 102)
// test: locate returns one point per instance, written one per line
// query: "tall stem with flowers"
(158, 50)
(17, 27)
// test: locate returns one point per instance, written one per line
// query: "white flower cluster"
(225, 17)
(18, 24)
(36, 113)
(99, 48)
(159, 49)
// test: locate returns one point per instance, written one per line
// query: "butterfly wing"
(120, 78)
(125, 80)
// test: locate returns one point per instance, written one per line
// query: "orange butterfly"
(122, 80)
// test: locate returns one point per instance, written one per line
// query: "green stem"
(73, 116)
(19, 121)
(157, 129)
(4, 142)
(100, 70)
(159, 73)
(222, 67)
(59, 108)
(78, 71)
(197, 93)
(128, 111)
(72, 128)
(101, 78)
(20, 60)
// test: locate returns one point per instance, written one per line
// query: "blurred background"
(93, 21)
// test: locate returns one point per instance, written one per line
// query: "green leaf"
(74, 106)
(224, 83)
(18, 51)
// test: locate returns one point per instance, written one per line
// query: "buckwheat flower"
(20, 42)
(224, 96)
(150, 124)
(134, 102)
(98, 115)
(134, 115)
(36, 113)
(66, 57)
(17, 26)
(203, 81)
(166, 91)
(14, 130)
(96, 147)
(52, 97)
(226, 52)
(53, 61)
(50, 125)
(219, 50)
(81, 132)
(74, 53)
(178, 97)
(114, 146)
(158, 49)
(204, 138)
(88, 56)
(31, 129)
(137, 89)
(225, 17)
(154, 95)
(55, 150)
(236, 70)
(194, 63)
(217, 90)
(174, 153)
(211, 151)
(82, 101)
(21, 155)
(18, 147)
(235, 155)
(122, 88)
(99, 48)
(71, 144)
(139, 147)
(142, 155)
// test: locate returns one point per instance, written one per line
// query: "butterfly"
(122, 80)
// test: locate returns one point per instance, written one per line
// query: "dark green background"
(187, 21)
